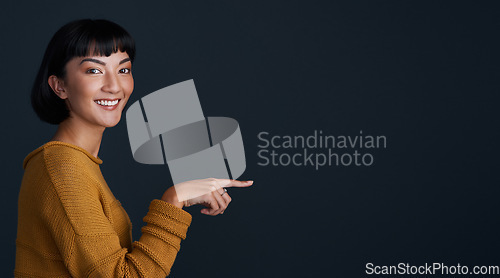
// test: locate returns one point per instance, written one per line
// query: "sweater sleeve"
(87, 241)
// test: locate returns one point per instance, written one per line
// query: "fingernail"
(250, 182)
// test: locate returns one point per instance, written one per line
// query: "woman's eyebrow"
(93, 60)
(101, 62)
(124, 60)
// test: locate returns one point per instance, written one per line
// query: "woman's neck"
(80, 134)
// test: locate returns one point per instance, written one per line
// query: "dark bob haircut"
(78, 38)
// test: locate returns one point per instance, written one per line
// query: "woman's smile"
(108, 104)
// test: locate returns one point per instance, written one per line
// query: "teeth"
(106, 102)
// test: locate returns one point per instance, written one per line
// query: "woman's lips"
(107, 104)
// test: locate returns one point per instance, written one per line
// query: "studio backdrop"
(370, 130)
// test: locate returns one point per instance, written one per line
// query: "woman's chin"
(111, 122)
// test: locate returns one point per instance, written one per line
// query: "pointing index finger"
(233, 183)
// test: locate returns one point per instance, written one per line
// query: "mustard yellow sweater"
(71, 225)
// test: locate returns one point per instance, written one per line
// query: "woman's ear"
(57, 86)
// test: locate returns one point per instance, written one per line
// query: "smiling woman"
(69, 222)
(93, 88)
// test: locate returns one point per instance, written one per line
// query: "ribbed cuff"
(168, 217)
(171, 211)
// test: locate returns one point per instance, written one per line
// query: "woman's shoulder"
(61, 165)
(61, 154)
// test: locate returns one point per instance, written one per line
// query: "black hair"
(78, 38)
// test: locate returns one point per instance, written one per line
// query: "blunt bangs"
(88, 38)
(100, 38)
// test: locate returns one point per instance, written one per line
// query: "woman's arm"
(86, 239)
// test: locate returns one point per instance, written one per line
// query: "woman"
(70, 224)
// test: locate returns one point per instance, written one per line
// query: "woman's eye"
(93, 71)
(126, 70)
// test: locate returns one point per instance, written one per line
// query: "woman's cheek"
(131, 86)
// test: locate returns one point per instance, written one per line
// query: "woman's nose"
(111, 83)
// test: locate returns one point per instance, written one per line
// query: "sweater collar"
(97, 160)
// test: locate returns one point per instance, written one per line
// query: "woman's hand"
(210, 193)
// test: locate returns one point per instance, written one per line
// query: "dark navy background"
(423, 73)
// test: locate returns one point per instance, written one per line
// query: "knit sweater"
(71, 225)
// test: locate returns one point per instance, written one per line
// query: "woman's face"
(96, 88)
